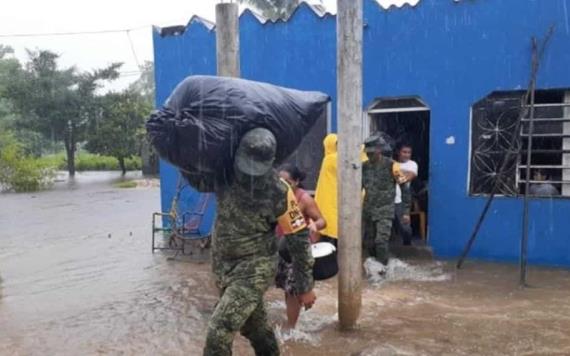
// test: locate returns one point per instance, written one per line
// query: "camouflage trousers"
(376, 236)
(240, 308)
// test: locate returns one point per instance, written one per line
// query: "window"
(494, 127)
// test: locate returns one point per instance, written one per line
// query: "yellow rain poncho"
(326, 191)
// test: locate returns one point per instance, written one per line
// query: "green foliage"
(144, 85)
(20, 172)
(47, 109)
(93, 162)
(126, 184)
(117, 131)
(56, 102)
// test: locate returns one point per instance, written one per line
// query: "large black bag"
(200, 125)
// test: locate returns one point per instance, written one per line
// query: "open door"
(407, 120)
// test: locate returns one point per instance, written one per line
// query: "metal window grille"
(493, 124)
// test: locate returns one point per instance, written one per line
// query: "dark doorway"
(407, 120)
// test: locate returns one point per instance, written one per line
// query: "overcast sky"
(97, 50)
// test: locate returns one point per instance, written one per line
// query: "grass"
(85, 161)
(126, 184)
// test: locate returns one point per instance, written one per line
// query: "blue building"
(449, 75)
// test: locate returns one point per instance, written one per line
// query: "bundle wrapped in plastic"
(201, 124)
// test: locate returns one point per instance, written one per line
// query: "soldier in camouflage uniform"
(244, 248)
(378, 208)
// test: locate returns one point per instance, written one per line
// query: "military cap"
(377, 142)
(256, 152)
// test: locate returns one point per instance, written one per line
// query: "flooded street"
(79, 278)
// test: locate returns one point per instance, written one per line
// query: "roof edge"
(319, 11)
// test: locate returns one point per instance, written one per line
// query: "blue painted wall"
(175, 58)
(451, 54)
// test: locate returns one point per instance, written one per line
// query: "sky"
(89, 51)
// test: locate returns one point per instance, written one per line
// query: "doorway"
(407, 121)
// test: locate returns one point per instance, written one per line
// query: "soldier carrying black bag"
(229, 146)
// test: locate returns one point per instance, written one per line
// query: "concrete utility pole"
(349, 86)
(227, 40)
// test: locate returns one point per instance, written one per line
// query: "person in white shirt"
(409, 171)
(542, 187)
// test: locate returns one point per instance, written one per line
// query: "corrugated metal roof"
(388, 4)
(319, 10)
(197, 19)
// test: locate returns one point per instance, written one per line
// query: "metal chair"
(183, 229)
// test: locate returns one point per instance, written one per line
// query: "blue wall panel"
(451, 54)
(176, 57)
(299, 53)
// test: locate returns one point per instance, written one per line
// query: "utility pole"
(227, 40)
(349, 86)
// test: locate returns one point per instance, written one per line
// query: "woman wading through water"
(285, 278)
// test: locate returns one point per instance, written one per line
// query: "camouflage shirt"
(378, 183)
(244, 243)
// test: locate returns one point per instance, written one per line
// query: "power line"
(133, 48)
(122, 75)
(71, 33)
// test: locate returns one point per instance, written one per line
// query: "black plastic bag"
(203, 120)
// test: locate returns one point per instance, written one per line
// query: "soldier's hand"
(307, 299)
(406, 219)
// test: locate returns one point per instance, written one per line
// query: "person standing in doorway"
(378, 209)
(408, 171)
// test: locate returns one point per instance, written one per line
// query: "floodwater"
(79, 278)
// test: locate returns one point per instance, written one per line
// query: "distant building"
(446, 74)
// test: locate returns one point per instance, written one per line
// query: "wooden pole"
(524, 239)
(227, 40)
(349, 86)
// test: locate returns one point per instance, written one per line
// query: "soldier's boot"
(260, 334)
(382, 255)
(368, 237)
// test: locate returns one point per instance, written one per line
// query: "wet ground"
(79, 278)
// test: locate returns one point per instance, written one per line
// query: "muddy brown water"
(78, 278)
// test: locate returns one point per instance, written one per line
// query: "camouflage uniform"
(378, 209)
(244, 258)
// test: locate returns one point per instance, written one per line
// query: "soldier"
(244, 248)
(378, 208)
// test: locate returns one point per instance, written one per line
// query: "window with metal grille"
(495, 131)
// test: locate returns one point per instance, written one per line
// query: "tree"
(144, 85)
(273, 9)
(10, 71)
(57, 103)
(117, 130)
(9, 68)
